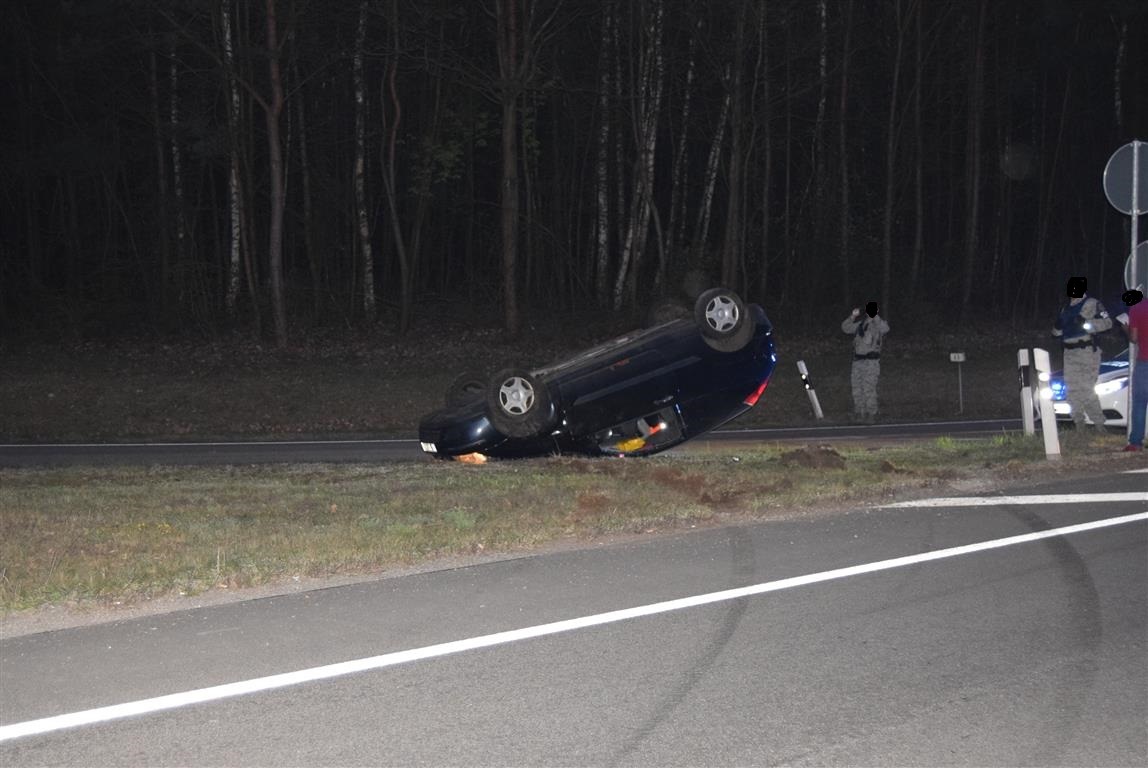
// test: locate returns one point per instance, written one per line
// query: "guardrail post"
(809, 390)
(1047, 414)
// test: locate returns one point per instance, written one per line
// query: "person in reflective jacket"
(1076, 326)
(867, 333)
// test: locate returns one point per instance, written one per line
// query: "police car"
(1111, 389)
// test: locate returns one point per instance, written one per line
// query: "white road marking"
(272, 682)
(1134, 471)
(994, 501)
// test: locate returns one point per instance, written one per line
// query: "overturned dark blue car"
(634, 395)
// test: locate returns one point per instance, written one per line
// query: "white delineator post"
(1047, 415)
(808, 383)
(1024, 371)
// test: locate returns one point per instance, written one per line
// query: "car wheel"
(723, 319)
(518, 404)
(466, 387)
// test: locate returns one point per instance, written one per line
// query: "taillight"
(756, 394)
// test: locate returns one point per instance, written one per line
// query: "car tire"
(723, 320)
(467, 387)
(517, 403)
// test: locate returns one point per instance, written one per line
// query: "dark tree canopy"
(520, 156)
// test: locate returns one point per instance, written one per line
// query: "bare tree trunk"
(733, 242)
(767, 151)
(787, 198)
(1117, 76)
(973, 157)
(651, 80)
(391, 135)
(679, 180)
(390, 138)
(273, 110)
(918, 166)
(528, 129)
(422, 192)
(163, 233)
(366, 253)
(818, 145)
(843, 151)
(701, 227)
(602, 196)
(1048, 192)
(891, 161)
(73, 249)
(234, 194)
(508, 67)
(177, 172)
(620, 208)
(314, 261)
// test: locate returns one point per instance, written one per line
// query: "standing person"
(1076, 324)
(1138, 333)
(867, 334)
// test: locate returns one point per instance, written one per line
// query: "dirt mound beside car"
(814, 457)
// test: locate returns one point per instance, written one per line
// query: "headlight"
(1108, 387)
(1046, 393)
(1043, 376)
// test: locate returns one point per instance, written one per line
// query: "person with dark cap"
(1138, 397)
(1076, 326)
(867, 333)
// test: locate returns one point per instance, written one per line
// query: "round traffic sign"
(1118, 177)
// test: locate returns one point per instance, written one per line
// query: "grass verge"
(100, 536)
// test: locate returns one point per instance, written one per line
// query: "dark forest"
(271, 166)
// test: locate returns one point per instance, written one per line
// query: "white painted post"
(805, 380)
(1047, 414)
(958, 358)
(1027, 414)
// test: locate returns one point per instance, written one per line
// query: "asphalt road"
(255, 452)
(1032, 652)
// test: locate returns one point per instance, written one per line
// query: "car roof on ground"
(633, 338)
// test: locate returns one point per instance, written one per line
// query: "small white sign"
(956, 357)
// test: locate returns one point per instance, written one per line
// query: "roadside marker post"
(1027, 409)
(1047, 415)
(958, 358)
(809, 390)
